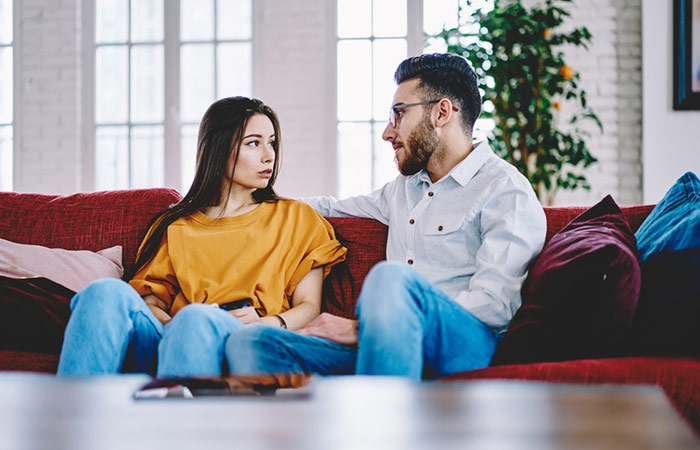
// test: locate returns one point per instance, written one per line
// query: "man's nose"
(389, 132)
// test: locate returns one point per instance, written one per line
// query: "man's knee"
(385, 288)
(254, 338)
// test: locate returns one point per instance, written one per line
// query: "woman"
(231, 253)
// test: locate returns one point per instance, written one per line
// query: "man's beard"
(422, 143)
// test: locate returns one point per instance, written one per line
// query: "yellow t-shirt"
(261, 255)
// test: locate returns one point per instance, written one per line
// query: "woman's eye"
(272, 144)
(254, 143)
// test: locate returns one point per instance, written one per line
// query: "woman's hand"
(246, 315)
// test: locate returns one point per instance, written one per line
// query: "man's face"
(414, 138)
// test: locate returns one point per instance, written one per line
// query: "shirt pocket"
(443, 224)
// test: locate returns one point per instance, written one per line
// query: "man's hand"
(247, 315)
(336, 329)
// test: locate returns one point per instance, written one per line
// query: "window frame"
(172, 44)
(415, 40)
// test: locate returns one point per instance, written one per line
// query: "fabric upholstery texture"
(85, 221)
(581, 293)
(674, 224)
(365, 240)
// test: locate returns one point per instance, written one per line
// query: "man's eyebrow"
(398, 104)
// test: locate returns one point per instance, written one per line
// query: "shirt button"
(430, 194)
(410, 261)
(411, 221)
(440, 228)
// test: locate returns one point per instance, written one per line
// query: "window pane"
(111, 158)
(6, 22)
(388, 53)
(234, 19)
(384, 167)
(196, 20)
(6, 158)
(354, 18)
(111, 20)
(188, 155)
(389, 18)
(111, 85)
(147, 157)
(354, 80)
(147, 83)
(234, 69)
(6, 85)
(439, 13)
(146, 20)
(354, 159)
(196, 80)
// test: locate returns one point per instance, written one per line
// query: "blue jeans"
(407, 327)
(112, 330)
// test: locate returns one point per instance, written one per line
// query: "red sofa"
(100, 220)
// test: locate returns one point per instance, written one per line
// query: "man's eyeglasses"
(397, 110)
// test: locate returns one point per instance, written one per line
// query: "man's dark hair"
(444, 75)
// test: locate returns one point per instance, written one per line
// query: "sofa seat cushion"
(581, 293)
(678, 377)
(25, 361)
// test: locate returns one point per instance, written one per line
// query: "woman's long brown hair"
(220, 135)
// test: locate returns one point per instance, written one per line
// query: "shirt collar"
(465, 169)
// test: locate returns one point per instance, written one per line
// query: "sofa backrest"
(365, 240)
(85, 221)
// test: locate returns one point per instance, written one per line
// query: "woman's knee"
(104, 293)
(193, 315)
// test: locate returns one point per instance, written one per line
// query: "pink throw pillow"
(74, 269)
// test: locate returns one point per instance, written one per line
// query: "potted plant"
(516, 52)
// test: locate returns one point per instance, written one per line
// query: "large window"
(158, 65)
(6, 95)
(374, 36)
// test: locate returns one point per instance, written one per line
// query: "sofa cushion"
(581, 293)
(74, 269)
(674, 224)
(667, 321)
(85, 221)
(33, 314)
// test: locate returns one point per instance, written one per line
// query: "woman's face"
(256, 154)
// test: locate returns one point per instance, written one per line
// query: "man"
(463, 227)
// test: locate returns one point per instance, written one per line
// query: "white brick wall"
(47, 131)
(611, 75)
(294, 59)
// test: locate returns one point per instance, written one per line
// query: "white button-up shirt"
(472, 233)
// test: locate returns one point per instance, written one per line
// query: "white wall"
(671, 138)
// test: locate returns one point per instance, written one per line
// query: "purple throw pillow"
(581, 293)
(33, 314)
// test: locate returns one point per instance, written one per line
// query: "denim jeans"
(112, 330)
(407, 327)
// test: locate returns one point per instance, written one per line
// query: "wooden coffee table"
(45, 412)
